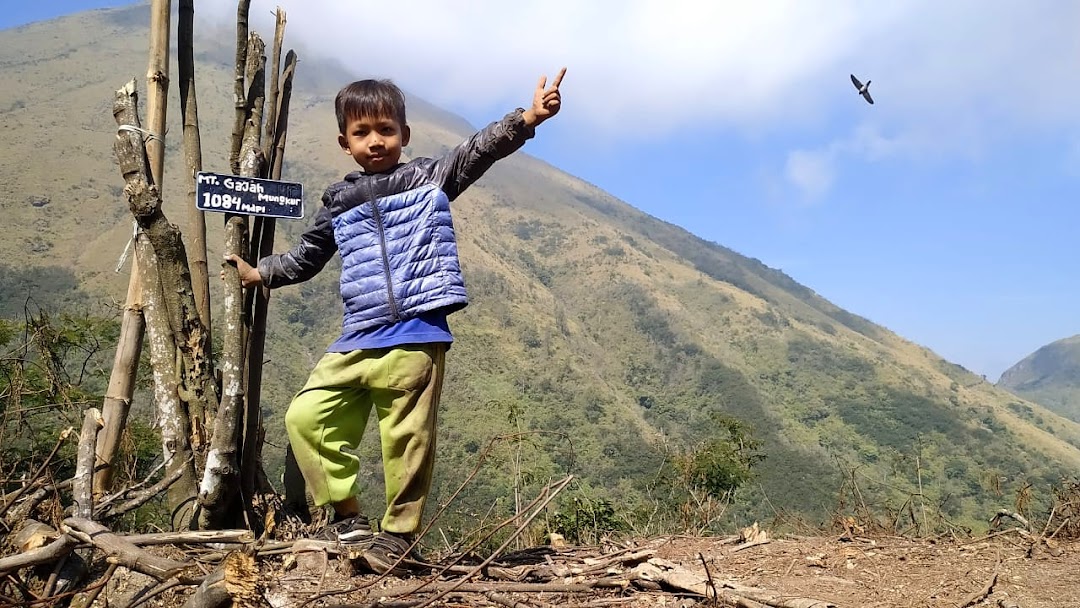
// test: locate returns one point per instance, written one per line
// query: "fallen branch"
(662, 571)
(211, 593)
(1011, 515)
(32, 535)
(981, 594)
(503, 600)
(777, 601)
(26, 507)
(42, 555)
(740, 602)
(121, 551)
(987, 537)
(708, 575)
(446, 587)
(192, 537)
(626, 557)
(753, 543)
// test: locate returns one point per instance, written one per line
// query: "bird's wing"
(869, 99)
(855, 81)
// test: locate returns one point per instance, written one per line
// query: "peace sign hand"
(546, 100)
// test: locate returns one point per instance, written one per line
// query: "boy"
(400, 278)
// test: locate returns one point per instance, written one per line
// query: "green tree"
(724, 461)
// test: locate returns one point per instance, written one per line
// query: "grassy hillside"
(615, 336)
(1049, 376)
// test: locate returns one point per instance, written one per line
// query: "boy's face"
(374, 142)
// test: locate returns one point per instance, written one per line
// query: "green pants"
(327, 418)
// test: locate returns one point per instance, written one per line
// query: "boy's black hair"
(369, 98)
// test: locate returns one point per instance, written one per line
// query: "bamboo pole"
(157, 86)
(294, 486)
(114, 409)
(274, 149)
(277, 157)
(220, 477)
(122, 378)
(275, 79)
(200, 278)
(220, 482)
(268, 140)
(239, 90)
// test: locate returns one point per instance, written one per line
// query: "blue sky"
(945, 212)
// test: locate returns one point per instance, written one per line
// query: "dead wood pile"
(211, 569)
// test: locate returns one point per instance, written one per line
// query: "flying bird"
(864, 89)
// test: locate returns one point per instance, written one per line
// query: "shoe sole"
(380, 563)
(355, 536)
(404, 567)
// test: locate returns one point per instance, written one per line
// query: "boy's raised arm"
(468, 161)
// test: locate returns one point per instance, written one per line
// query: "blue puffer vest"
(394, 232)
(398, 257)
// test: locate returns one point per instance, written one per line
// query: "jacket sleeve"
(465, 164)
(307, 258)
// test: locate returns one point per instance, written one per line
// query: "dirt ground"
(895, 572)
(885, 572)
(1005, 570)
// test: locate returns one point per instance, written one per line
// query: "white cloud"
(811, 171)
(644, 67)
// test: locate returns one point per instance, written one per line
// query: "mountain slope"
(1049, 376)
(613, 336)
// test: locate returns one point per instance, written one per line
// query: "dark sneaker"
(385, 552)
(349, 530)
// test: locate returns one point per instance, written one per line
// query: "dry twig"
(981, 594)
